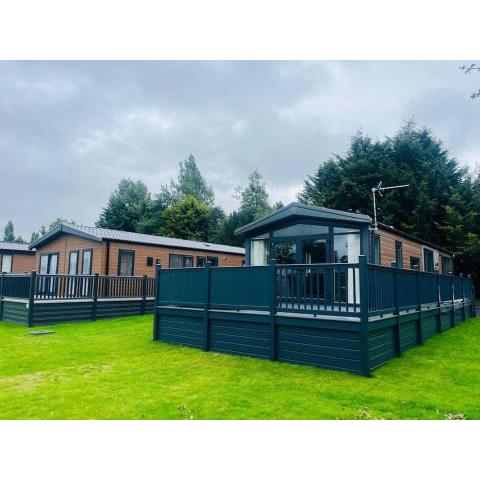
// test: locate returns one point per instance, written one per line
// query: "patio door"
(48, 266)
(316, 281)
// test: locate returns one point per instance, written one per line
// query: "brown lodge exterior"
(16, 258)
(78, 250)
(404, 251)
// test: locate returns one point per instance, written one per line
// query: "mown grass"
(111, 369)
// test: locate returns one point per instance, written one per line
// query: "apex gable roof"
(301, 210)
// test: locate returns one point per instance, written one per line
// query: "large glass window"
(43, 268)
(346, 248)
(87, 262)
(259, 251)
(180, 261)
(285, 252)
(48, 264)
(73, 263)
(428, 265)
(301, 229)
(446, 265)
(213, 261)
(126, 261)
(6, 263)
(315, 251)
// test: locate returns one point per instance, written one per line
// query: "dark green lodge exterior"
(315, 291)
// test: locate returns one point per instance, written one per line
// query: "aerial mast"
(379, 189)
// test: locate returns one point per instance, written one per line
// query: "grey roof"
(100, 234)
(15, 246)
(304, 211)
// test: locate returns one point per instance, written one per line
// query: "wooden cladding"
(105, 255)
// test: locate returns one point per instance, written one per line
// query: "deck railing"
(75, 287)
(340, 289)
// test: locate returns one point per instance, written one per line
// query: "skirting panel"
(14, 311)
(334, 345)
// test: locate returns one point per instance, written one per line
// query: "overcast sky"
(69, 131)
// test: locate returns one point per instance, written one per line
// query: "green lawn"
(111, 369)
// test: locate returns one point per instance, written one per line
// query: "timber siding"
(410, 248)
(162, 254)
(65, 244)
(105, 255)
(21, 262)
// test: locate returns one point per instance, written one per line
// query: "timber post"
(31, 298)
(2, 281)
(143, 306)
(206, 321)
(419, 309)
(273, 308)
(156, 301)
(364, 354)
(95, 297)
(398, 346)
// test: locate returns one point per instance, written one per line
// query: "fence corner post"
(419, 309)
(95, 297)
(31, 297)
(452, 311)
(273, 308)
(206, 344)
(471, 289)
(364, 296)
(144, 295)
(2, 280)
(464, 313)
(398, 338)
(156, 301)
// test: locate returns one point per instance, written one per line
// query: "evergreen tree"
(188, 219)
(441, 204)
(190, 182)
(254, 200)
(127, 206)
(9, 232)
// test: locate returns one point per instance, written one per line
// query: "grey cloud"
(69, 131)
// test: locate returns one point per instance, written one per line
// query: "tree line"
(185, 208)
(441, 204)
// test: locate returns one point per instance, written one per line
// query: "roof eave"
(299, 210)
(63, 228)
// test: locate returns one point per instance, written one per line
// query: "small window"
(126, 260)
(375, 253)
(398, 254)
(201, 261)
(87, 262)
(73, 263)
(414, 263)
(446, 265)
(6, 264)
(213, 261)
(180, 261)
(149, 261)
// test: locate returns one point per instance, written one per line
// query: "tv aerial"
(379, 189)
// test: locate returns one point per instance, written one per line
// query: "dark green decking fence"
(352, 317)
(46, 299)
